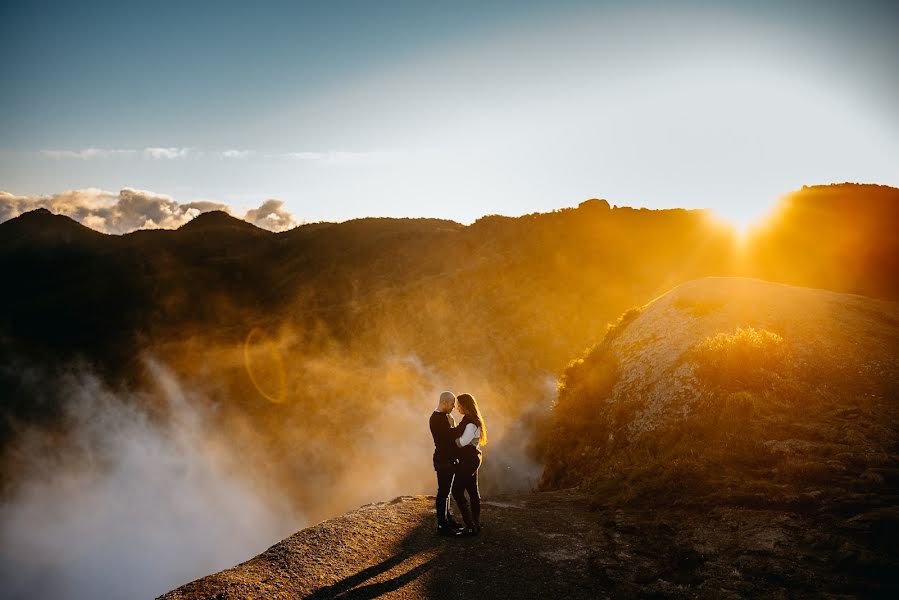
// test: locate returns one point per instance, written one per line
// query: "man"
(445, 459)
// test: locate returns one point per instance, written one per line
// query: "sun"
(744, 217)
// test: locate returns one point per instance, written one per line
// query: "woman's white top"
(470, 437)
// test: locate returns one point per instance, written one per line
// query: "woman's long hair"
(470, 405)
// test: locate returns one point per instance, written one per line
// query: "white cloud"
(236, 153)
(86, 153)
(271, 216)
(302, 155)
(130, 210)
(175, 152)
(166, 153)
(153, 152)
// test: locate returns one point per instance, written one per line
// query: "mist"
(291, 382)
(143, 490)
(127, 507)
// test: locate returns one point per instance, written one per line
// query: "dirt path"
(551, 545)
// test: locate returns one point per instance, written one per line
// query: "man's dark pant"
(444, 485)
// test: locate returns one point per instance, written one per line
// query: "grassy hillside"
(735, 390)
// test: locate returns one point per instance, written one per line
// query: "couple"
(457, 457)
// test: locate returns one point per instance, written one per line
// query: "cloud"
(130, 210)
(167, 153)
(152, 152)
(86, 153)
(236, 153)
(271, 216)
(329, 157)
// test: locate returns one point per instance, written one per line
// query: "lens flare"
(265, 366)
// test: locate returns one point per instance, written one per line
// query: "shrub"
(763, 429)
(743, 360)
(571, 439)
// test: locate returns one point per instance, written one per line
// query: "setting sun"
(744, 219)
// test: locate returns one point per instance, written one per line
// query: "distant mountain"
(219, 220)
(42, 228)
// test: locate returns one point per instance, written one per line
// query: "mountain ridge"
(47, 228)
(221, 218)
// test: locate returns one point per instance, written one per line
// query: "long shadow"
(374, 590)
(420, 539)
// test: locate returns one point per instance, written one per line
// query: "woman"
(473, 435)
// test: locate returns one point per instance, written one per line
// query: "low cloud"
(270, 215)
(130, 210)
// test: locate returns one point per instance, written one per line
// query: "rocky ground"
(555, 545)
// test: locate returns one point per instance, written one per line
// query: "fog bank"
(128, 507)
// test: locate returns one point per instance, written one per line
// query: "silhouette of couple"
(457, 458)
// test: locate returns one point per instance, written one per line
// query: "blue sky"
(347, 109)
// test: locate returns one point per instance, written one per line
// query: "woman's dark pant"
(467, 481)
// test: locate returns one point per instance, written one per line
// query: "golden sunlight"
(743, 219)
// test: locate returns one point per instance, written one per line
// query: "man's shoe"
(447, 531)
(454, 524)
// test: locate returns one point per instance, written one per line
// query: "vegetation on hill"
(775, 397)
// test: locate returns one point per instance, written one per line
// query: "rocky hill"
(723, 377)
(732, 438)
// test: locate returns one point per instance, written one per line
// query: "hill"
(42, 228)
(727, 377)
(742, 393)
(219, 220)
(732, 438)
(841, 237)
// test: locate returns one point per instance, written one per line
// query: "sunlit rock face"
(734, 388)
(814, 327)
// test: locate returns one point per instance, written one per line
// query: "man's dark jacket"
(445, 450)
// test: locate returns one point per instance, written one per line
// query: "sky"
(456, 110)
